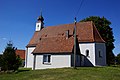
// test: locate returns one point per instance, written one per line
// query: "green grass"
(82, 73)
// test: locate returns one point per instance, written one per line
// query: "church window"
(87, 53)
(46, 59)
(99, 52)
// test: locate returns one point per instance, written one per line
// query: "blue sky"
(18, 17)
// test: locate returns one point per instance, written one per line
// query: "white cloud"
(4, 38)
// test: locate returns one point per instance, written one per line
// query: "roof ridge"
(65, 24)
(59, 25)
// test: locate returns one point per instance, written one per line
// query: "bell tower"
(39, 23)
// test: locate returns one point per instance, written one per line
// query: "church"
(53, 46)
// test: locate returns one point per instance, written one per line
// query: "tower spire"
(40, 23)
(41, 12)
(40, 18)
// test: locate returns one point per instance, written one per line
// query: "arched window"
(87, 53)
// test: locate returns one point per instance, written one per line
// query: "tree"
(0, 60)
(118, 58)
(103, 26)
(9, 60)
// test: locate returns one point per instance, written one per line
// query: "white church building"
(53, 46)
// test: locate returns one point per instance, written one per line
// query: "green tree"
(0, 60)
(103, 26)
(118, 58)
(9, 60)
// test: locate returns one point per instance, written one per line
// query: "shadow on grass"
(23, 70)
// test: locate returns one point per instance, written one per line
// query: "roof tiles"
(55, 45)
(21, 53)
(52, 38)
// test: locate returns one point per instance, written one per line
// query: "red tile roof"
(86, 32)
(52, 39)
(53, 31)
(21, 53)
(55, 45)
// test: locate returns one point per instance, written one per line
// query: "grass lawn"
(81, 73)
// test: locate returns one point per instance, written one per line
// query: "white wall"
(57, 61)
(91, 58)
(100, 61)
(29, 57)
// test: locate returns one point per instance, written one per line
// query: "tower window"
(37, 25)
(87, 53)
